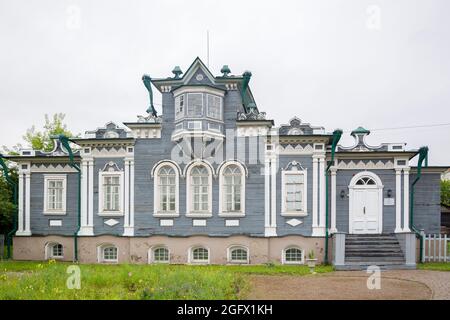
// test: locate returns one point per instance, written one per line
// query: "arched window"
(54, 251)
(232, 189)
(108, 253)
(292, 255)
(200, 189)
(160, 255)
(366, 181)
(238, 254)
(199, 255)
(166, 186)
(232, 177)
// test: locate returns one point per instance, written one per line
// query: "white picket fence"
(436, 248)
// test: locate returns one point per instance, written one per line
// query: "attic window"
(110, 134)
(295, 132)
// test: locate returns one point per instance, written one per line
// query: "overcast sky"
(338, 64)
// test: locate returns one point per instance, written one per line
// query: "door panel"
(365, 210)
(359, 223)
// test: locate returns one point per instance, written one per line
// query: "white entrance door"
(365, 206)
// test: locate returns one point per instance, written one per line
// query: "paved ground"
(344, 285)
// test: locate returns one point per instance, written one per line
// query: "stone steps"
(362, 251)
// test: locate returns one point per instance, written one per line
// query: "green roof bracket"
(65, 141)
(244, 89)
(148, 84)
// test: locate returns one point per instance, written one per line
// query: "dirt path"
(343, 285)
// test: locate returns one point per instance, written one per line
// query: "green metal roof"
(360, 130)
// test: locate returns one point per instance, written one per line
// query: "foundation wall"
(136, 249)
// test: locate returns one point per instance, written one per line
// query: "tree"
(41, 140)
(38, 140)
(445, 192)
(7, 207)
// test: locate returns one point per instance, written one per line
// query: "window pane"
(232, 188)
(214, 107)
(55, 192)
(293, 255)
(294, 188)
(110, 253)
(111, 193)
(195, 105)
(57, 250)
(161, 255)
(239, 255)
(200, 254)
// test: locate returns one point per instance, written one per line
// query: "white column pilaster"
(86, 228)
(84, 198)
(322, 192)
(315, 200)
(273, 168)
(333, 228)
(91, 195)
(128, 231)
(132, 194)
(27, 230)
(398, 200)
(406, 200)
(267, 194)
(270, 224)
(21, 211)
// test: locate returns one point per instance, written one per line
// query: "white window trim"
(151, 251)
(102, 211)
(63, 178)
(189, 212)
(284, 212)
(191, 255)
(156, 204)
(49, 251)
(237, 246)
(283, 256)
(100, 250)
(183, 114)
(240, 213)
(220, 107)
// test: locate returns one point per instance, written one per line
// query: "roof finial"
(177, 72)
(225, 70)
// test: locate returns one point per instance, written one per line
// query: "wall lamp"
(342, 194)
(389, 193)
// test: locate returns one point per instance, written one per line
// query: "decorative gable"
(297, 128)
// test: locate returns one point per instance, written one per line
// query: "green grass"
(47, 280)
(439, 266)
